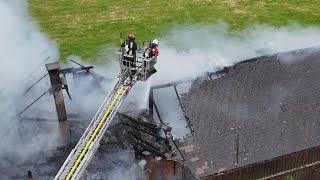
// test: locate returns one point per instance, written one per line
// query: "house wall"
(161, 169)
(301, 165)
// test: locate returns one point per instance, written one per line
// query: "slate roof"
(263, 108)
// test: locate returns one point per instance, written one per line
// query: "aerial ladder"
(130, 72)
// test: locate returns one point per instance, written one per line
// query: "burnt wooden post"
(56, 89)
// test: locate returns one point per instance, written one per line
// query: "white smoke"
(190, 50)
(186, 51)
(121, 165)
(22, 48)
(133, 171)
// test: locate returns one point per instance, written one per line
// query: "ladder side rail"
(82, 141)
(86, 160)
(64, 165)
(93, 136)
(97, 121)
(96, 140)
(80, 145)
(78, 151)
(112, 114)
(74, 155)
(106, 101)
(71, 159)
(108, 121)
(102, 107)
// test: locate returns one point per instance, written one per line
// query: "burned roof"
(115, 151)
(259, 109)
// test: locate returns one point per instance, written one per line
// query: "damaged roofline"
(227, 68)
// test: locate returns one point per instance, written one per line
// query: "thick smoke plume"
(186, 51)
(190, 50)
(22, 48)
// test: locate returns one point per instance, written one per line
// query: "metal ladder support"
(80, 157)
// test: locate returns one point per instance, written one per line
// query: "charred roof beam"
(146, 124)
(96, 75)
(146, 145)
(75, 70)
(134, 127)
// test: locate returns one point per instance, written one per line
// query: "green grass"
(83, 27)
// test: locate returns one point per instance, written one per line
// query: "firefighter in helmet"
(129, 47)
(152, 49)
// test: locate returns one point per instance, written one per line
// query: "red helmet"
(155, 51)
(132, 36)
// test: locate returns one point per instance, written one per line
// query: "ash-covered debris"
(119, 153)
(114, 154)
(122, 149)
(146, 136)
(115, 140)
(117, 165)
(47, 162)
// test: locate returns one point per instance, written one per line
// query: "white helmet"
(155, 41)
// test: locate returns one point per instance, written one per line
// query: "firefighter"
(152, 49)
(129, 47)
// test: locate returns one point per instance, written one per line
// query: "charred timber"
(137, 138)
(143, 146)
(143, 130)
(150, 125)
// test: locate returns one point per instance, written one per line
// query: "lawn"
(83, 27)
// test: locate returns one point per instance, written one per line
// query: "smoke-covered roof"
(261, 109)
